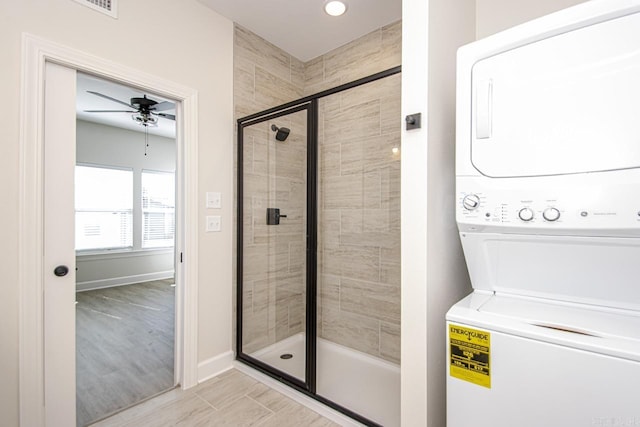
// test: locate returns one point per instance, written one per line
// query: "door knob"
(61, 270)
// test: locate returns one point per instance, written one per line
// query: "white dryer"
(548, 187)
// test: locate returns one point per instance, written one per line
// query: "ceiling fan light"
(145, 120)
(335, 7)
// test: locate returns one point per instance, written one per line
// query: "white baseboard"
(121, 281)
(215, 366)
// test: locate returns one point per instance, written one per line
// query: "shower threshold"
(365, 384)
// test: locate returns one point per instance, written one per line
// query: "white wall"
(493, 16)
(123, 268)
(434, 275)
(107, 145)
(451, 26)
(188, 44)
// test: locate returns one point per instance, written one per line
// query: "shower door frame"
(309, 103)
(308, 385)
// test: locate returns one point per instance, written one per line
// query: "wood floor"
(230, 399)
(124, 347)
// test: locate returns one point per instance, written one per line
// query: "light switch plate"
(213, 223)
(214, 200)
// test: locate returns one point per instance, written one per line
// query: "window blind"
(158, 209)
(104, 208)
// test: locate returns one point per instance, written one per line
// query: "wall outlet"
(213, 223)
(214, 200)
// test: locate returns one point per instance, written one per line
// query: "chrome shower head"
(281, 133)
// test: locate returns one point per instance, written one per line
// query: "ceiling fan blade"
(109, 111)
(110, 98)
(163, 106)
(166, 116)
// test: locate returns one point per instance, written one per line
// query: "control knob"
(526, 214)
(471, 202)
(551, 214)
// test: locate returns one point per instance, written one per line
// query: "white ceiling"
(88, 101)
(299, 27)
(302, 28)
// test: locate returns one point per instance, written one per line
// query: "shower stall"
(318, 246)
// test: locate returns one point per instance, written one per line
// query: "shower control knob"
(551, 214)
(525, 214)
(471, 202)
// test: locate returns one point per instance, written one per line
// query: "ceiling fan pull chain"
(146, 139)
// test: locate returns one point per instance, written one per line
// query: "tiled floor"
(230, 399)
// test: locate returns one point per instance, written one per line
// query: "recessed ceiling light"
(335, 8)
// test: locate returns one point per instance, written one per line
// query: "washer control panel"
(478, 207)
(588, 211)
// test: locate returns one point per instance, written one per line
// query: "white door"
(59, 246)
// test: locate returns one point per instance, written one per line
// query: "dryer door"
(563, 105)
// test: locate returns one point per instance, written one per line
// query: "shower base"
(360, 382)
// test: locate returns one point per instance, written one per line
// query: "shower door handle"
(273, 216)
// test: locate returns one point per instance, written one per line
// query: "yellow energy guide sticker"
(470, 355)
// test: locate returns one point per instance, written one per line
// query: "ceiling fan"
(147, 109)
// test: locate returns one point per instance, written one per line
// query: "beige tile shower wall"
(264, 75)
(371, 53)
(359, 231)
(359, 195)
(274, 176)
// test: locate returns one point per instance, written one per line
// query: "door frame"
(35, 53)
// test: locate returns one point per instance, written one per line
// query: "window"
(104, 208)
(158, 209)
(104, 199)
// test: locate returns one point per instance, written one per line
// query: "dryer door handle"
(484, 107)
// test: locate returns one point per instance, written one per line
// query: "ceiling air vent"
(108, 7)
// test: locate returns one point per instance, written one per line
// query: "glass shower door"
(358, 281)
(273, 241)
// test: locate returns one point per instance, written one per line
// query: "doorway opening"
(125, 208)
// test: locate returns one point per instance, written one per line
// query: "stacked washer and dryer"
(548, 187)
